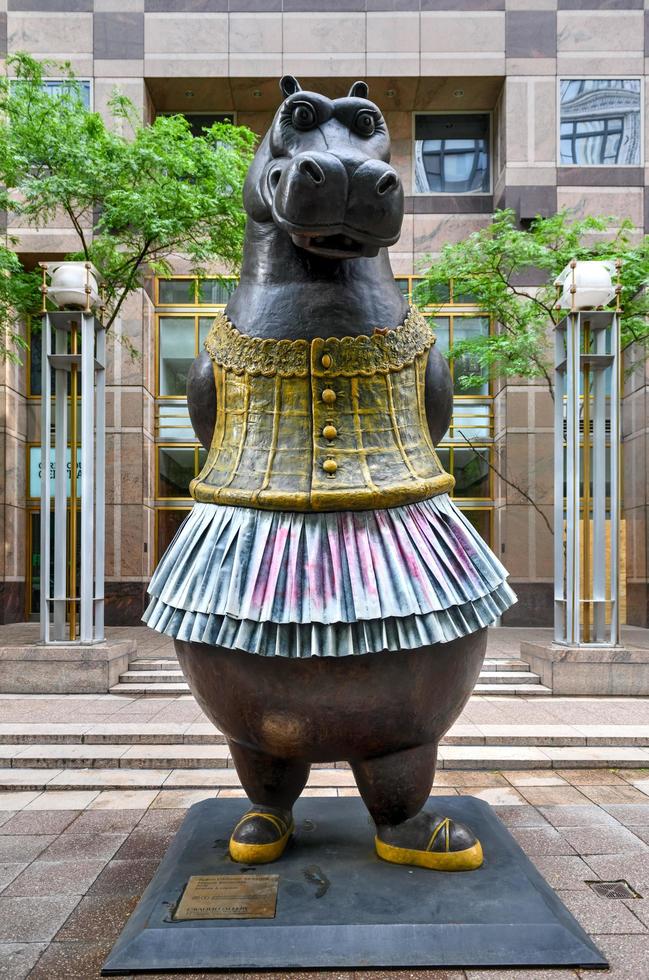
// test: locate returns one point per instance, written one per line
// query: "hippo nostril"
(388, 182)
(273, 178)
(311, 169)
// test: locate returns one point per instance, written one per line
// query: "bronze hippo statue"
(328, 600)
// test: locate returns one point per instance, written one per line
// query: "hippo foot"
(261, 835)
(430, 840)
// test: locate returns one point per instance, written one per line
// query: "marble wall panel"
(545, 121)
(42, 33)
(600, 30)
(257, 33)
(182, 34)
(621, 202)
(392, 32)
(517, 120)
(432, 231)
(479, 32)
(118, 34)
(531, 34)
(323, 33)
(634, 470)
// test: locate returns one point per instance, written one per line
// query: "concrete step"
(528, 689)
(504, 745)
(508, 677)
(152, 690)
(171, 664)
(157, 676)
(175, 677)
(501, 757)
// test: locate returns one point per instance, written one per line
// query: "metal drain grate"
(613, 889)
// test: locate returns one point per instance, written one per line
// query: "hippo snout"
(337, 207)
(312, 191)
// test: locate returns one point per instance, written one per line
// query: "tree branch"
(510, 483)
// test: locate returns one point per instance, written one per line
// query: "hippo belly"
(327, 709)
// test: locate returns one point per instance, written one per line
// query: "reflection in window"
(177, 292)
(177, 351)
(471, 472)
(60, 86)
(452, 154)
(600, 121)
(464, 328)
(168, 522)
(480, 519)
(176, 470)
(216, 292)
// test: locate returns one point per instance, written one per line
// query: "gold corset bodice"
(320, 425)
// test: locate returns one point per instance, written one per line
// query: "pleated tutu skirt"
(336, 584)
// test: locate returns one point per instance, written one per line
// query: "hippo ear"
(359, 90)
(289, 85)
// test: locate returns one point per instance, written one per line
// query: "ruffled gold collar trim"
(380, 352)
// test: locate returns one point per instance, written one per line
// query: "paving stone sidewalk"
(74, 860)
(73, 865)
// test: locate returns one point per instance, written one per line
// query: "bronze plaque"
(228, 897)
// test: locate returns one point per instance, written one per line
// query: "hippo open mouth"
(338, 246)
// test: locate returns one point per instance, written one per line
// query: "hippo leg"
(272, 785)
(394, 788)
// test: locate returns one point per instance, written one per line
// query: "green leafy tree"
(19, 296)
(490, 265)
(134, 198)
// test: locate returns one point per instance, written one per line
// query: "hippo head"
(322, 174)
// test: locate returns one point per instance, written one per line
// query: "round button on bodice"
(330, 466)
(326, 361)
(328, 396)
(330, 432)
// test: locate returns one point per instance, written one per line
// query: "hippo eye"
(304, 116)
(365, 123)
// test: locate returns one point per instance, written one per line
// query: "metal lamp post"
(587, 376)
(77, 357)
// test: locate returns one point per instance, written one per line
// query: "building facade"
(529, 104)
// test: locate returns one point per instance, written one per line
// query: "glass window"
(176, 292)
(177, 351)
(452, 154)
(57, 86)
(464, 328)
(204, 327)
(36, 470)
(600, 122)
(174, 424)
(176, 470)
(215, 292)
(442, 327)
(480, 519)
(471, 472)
(471, 418)
(168, 521)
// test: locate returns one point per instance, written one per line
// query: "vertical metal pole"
(87, 571)
(587, 595)
(60, 486)
(100, 481)
(46, 426)
(74, 378)
(599, 488)
(573, 474)
(615, 479)
(560, 597)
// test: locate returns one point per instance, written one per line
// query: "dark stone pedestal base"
(340, 906)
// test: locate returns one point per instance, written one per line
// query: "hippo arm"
(201, 398)
(439, 395)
